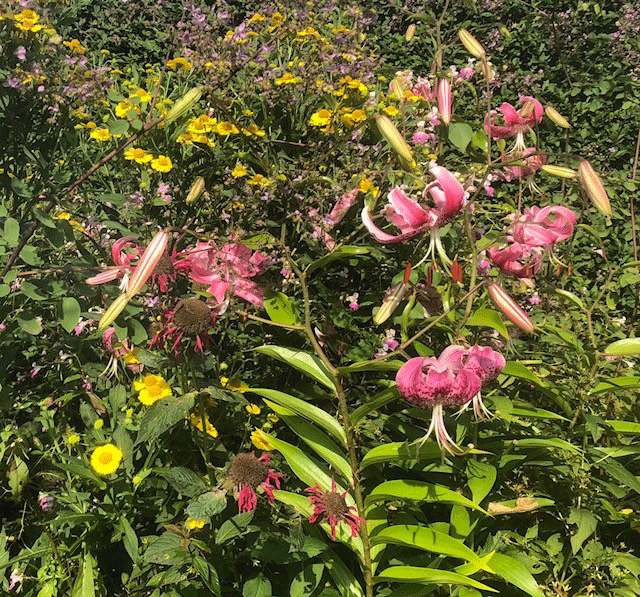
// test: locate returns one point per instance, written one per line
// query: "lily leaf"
(307, 363)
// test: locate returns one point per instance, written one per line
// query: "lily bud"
(444, 100)
(556, 117)
(456, 271)
(390, 304)
(395, 139)
(472, 44)
(147, 262)
(559, 171)
(510, 308)
(195, 191)
(397, 88)
(593, 186)
(411, 31)
(184, 104)
(113, 311)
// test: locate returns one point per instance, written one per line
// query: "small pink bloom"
(332, 507)
(542, 227)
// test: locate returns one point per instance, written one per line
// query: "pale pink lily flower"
(444, 100)
(538, 227)
(530, 164)
(423, 89)
(517, 259)
(341, 208)
(123, 252)
(516, 122)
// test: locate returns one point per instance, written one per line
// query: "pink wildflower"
(332, 507)
(248, 473)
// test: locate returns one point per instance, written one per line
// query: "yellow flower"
(273, 418)
(179, 63)
(224, 381)
(390, 110)
(358, 116)
(141, 94)
(203, 124)
(100, 134)
(91, 125)
(227, 128)
(365, 185)
(123, 108)
(287, 79)
(138, 155)
(196, 421)
(26, 21)
(192, 523)
(254, 129)
(239, 171)
(162, 163)
(73, 439)
(253, 409)
(260, 441)
(321, 118)
(98, 424)
(259, 180)
(106, 459)
(116, 71)
(75, 46)
(237, 385)
(151, 389)
(186, 138)
(130, 358)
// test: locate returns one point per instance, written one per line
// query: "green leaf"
(70, 313)
(374, 403)
(257, 587)
(488, 318)
(416, 574)
(130, 539)
(536, 413)
(167, 549)
(345, 581)
(31, 326)
(616, 383)
(306, 581)
(341, 253)
(520, 371)
(207, 505)
(428, 540)
(17, 474)
(184, 480)
(306, 410)
(164, 414)
(586, 523)
(624, 426)
(460, 134)
(11, 232)
(208, 574)
(401, 452)
(307, 363)
(234, 527)
(569, 296)
(514, 572)
(481, 479)
(279, 308)
(119, 127)
(626, 347)
(44, 218)
(418, 491)
(85, 585)
(617, 471)
(479, 140)
(375, 365)
(316, 440)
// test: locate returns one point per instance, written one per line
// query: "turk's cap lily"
(123, 252)
(542, 227)
(515, 121)
(517, 259)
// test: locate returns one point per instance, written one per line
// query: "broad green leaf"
(85, 585)
(481, 478)
(208, 574)
(626, 347)
(418, 491)
(234, 527)
(460, 134)
(619, 473)
(515, 573)
(306, 410)
(341, 253)
(258, 586)
(11, 232)
(207, 505)
(570, 296)
(279, 308)
(305, 582)
(624, 426)
(17, 474)
(345, 581)
(479, 140)
(44, 218)
(70, 313)
(488, 318)
(536, 413)
(31, 326)
(164, 414)
(586, 523)
(616, 383)
(119, 127)
(375, 365)
(184, 480)
(428, 540)
(520, 371)
(307, 363)
(400, 452)
(374, 403)
(167, 549)
(316, 440)
(416, 574)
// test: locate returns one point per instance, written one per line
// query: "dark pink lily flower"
(530, 164)
(516, 122)
(543, 227)
(123, 252)
(517, 259)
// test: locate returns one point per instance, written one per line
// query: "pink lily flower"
(517, 259)
(531, 164)
(516, 122)
(123, 252)
(543, 227)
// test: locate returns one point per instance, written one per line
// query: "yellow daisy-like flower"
(390, 110)
(141, 94)
(106, 459)
(26, 21)
(224, 381)
(253, 129)
(196, 421)
(75, 46)
(321, 117)
(259, 180)
(179, 63)
(273, 417)
(288, 79)
(186, 138)
(73, 439)
(151, 389)
(123, 109)
(100, 134)
(253, 409)
(192, 523)
(98, 424)
(239, 171)
(138, 155)
(260, 441)
(365, 185)
(162, 163)
(90, 125)
(256, 18)
(131, 357)
(203, 124)
(227, 128)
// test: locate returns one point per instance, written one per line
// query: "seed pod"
(411, 31)
(184, 104)
(195, 191)
(113, 311)
(148, 262)
(592, 184)
(559, 171)
(510, 308)
(395, 139)
(472, 44)
(556, 117)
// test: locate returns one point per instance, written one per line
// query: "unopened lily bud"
(444, 100)
(184, 104)
(556, 117)
(559, 171)
(411, 31)
(472, 44)
(456, 271)
(395, 139)
(397, 88)
(390, 304)
(528, 108)
(593, 186)
(510, 308)
(195, 191)
(113, 311)
(148, 262)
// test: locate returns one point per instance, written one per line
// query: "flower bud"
(510, 308)
(556, 117)
(592, 184)
(456, 271)
(559, 171)
(411, 31)
(113, 311)
(184, 104)
(148, 262)
(397, 88)
(395, 139)
(444, 100)
(472, 44)
(195, 191)
(390, 304)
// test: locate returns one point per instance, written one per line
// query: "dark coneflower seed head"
(192, 316)
(164, 266)
(334, 503)
(248, 470)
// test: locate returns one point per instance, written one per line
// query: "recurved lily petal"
(148, 262)
(106, 276)
(447, 193)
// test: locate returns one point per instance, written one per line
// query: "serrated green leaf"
(70, 313)
(307, 363)
(208, 574)
(257, 587)
(416, 574)
(184, 480)
(168, 550)
(207, 504)
(164, 414)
